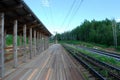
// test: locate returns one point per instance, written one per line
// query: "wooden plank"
(52, 64)
(19, 17)
(2, 45)
(15, 44)
(25, 52)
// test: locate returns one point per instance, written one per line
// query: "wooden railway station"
(17, 19)
(51, 63)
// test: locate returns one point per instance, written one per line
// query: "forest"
(99, 32)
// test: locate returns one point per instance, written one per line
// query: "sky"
(64, 15)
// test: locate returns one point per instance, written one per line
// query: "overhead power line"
(69, 11)
(73, 15)
(80, 3)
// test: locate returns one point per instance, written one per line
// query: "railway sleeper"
(110, 67)
(111, 73)
(91, 70)
(114, 75)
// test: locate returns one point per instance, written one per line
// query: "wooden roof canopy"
(18, 10)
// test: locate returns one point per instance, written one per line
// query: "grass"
(102, 58)
(90, 45)
(103, 72)
(9, 40)
(109, 60)
(82, 43)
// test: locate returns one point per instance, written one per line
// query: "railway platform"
(52, 64)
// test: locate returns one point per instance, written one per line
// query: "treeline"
(9, 40)
(100, 32)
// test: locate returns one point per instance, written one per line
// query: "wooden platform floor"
(52, 64)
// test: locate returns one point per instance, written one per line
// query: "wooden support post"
(15, 44)
(43, 40)
(43, 43)
(40, 43)
(34, 42)
(5, 39)
(20, 44)
(25, 51)
(47, 42)
(30, 43)
(2, 69)
(37, 42)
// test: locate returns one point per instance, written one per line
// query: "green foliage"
(102, 58)
(99, 32)
(9, 40)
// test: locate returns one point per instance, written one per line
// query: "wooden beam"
(5, 0)
(20, 27)
(18, 17)
(25, 52)
(2, 69)
(15, 44)
(30, 26)
(11, 8)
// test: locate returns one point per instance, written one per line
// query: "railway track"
(96, 67)
(114, 55)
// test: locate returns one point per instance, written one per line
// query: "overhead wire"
(75, 12)
(68, 13)
(80, 3)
